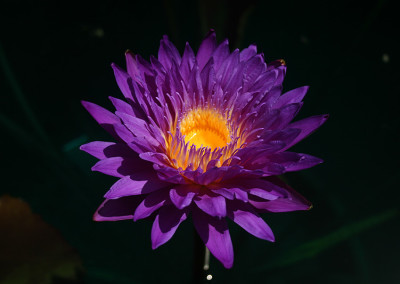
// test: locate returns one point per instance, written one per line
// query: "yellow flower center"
(205, 128)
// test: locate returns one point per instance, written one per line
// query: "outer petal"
(122, 80)
(131, 64)
(248, 52)
(206, 49)
(292, 202)
(103, 150)
(150, 204)
(307, 126)
(103, 117)
(215, 234)
(168, 53)
(165, 224)
(136, 184)
(295, 161)
(182, 195)
(117, 209)
(259, 187)
(243, 215)
(119, 166)
(212, 205)
(291, 97)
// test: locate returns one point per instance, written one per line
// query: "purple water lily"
(204, 134)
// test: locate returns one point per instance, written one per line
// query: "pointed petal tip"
(154, 245)
(228, 264)
(85, 104)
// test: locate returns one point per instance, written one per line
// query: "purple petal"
(243, 215)
(291, 97)
(293, 201)
(117, 209)
(150, 204)
(119, 166)
(103, 117)
(131, 64)
(286, 114)
(103, 150)
(254, 67)
(212, 205)
(206, 49)
(168, 53)
(307, 126)
(187, 63)
(122, 106)
(165, 224)
(156, 158)
(215, 234)
(295, 161)
(210, 176)
(122, 80)
(182, 195)
(259, 187)
(143, 182)
(136, 125)
(248, 52)
(286, 135)
(220, 54)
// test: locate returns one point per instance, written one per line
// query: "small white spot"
(209, 277)
(385, 58)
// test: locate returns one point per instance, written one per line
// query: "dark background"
(56, 53)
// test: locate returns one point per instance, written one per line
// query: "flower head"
(205, 135)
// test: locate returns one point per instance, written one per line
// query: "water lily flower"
(204, 135)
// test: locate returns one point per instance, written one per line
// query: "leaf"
(31, 250)
(317, 246)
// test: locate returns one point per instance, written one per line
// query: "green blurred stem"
(313, 248)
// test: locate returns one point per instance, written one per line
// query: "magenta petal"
(243, 215)
(212, 205)
(117, 209)
(307, 126)
(220, 54)
(206, 49)
(291, 97)
(165, 224)
(131, 65)
(259, 187)
(151, 203)
(295, 161)
(122, 106)
(249, 52)
(110, 166)
(135, 184)
(122, 80)
(119, 166)
(168, 53)
(181, 196)
(103, 117)
(215, 234)
(293, 201)
(102, 150)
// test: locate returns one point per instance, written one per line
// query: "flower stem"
(201, 263)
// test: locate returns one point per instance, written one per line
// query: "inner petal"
(206, 128)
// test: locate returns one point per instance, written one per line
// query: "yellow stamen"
(205, 127)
